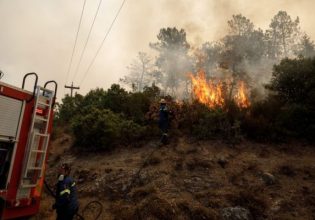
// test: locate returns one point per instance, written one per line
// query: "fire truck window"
(5, 160)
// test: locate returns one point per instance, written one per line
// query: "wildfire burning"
(213, 95)
(207, 92)
(240, 96)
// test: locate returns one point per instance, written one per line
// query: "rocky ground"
(190, 180)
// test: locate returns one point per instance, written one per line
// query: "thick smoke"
(246, 52)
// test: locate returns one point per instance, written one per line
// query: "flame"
(240, 96)
(211, 93)
(207, 92)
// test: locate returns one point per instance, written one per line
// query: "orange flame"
(240, 97)
(212, 95)
(207, 92)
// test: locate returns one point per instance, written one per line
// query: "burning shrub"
(215, 94)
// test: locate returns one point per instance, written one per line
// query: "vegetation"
(103, 119)
(289, 109)
(101, 129)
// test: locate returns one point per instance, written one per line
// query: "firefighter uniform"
(66, 198)
(164, 121)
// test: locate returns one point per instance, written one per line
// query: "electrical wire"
(75, 42)
(87, 40)
(102, 43)
(74, 46)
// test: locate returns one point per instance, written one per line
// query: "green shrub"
(68, 109)
(293, 87)
(103, 129)
(202, 122)
(295, 119)
(131, 132)
(294, 81)
(261, 121)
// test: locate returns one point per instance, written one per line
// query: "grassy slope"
(186, 179)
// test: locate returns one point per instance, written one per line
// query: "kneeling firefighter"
(66, 203)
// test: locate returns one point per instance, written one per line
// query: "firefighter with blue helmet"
(66, 204)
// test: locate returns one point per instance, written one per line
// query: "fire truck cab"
(25, 126)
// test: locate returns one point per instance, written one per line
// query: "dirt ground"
(189, 180)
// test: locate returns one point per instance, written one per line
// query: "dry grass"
(185, 181)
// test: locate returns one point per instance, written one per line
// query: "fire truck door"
(10, 113)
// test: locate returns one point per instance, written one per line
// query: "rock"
(276, 205)
(108, 170)
(287, 170)
(80, 180)
(222, 161)
(268, 178)
(124, 187)
(235, 213)
(82, 175)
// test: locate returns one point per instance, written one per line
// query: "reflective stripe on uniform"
(73, 184)
(65, 191)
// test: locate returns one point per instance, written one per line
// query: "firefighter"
(164, 121)
(66, 204)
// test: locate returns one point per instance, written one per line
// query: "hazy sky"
(38, 35)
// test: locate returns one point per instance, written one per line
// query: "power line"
(87, 40)
(75, 42)
(101, 45)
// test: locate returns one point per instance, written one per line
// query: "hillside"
(191, 180)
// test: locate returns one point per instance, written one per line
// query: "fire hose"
(137, 174)
(86, 207)
(127, 190)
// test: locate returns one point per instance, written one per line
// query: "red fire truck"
(25, 126)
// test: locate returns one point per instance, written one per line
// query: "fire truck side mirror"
(35, 85)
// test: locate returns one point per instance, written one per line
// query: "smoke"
(257, 71)
(38, 36)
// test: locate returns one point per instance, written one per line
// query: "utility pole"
(71, 88)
